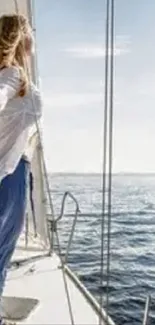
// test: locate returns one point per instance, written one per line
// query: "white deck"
(43, 280)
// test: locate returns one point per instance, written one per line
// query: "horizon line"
(100, 173)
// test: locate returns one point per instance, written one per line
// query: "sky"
(71, 53)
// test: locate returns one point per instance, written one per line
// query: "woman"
(20, 106)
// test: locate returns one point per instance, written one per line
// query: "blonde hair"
(14, 30)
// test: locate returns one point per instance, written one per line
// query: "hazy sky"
(70, 39)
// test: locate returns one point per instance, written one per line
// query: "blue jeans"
(13, 197)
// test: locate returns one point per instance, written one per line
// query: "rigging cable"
(107, 148)
(104, 149)
(111, 114)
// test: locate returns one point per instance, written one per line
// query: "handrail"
(64, 201)
(53, 223)
(77, 210)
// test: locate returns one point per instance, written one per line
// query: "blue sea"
(132, 276)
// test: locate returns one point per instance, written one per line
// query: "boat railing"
(53, 223)
(146, 312)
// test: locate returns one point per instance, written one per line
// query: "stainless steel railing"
(53, 223)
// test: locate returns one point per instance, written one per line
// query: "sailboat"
(40, 287)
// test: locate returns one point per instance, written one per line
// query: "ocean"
(132, 262)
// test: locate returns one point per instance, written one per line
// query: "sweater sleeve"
(9, 85)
